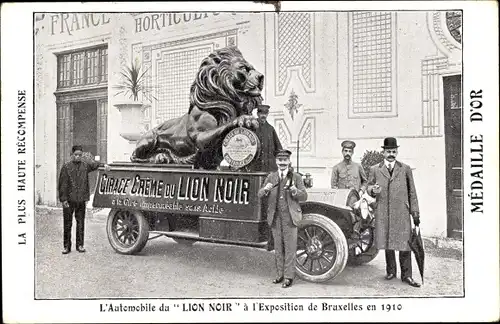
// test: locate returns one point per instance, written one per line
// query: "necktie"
(390, 169)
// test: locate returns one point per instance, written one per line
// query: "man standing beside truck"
(74, 193)
(270, 144)
(284, 190)
(391, 182)
(348, 174)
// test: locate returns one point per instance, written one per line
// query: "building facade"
(329, 76)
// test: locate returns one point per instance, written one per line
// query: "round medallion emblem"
(240, 146)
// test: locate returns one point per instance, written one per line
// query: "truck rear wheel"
(128, 231)
(364, 249)
(322, 249)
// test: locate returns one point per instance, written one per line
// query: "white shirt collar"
(282, 173)
(391, 164)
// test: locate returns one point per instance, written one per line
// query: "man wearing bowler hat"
(269, 142)
(284, 189)
(391, 182)
(348, 174)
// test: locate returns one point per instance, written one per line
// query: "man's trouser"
(285, 244)
(79, 209)
(404, 263)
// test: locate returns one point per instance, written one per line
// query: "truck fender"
(341, 216)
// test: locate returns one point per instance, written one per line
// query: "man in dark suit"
(284, 190)
(391, 182)
(269, 142)
(74, 193)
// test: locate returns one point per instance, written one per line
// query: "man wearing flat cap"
(391, 182)
(348, 174)
(270, 143)
(284, 190)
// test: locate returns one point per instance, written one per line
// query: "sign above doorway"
(158, 21)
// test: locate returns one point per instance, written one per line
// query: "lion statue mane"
(223, 95)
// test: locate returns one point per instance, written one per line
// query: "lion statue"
(223, 95)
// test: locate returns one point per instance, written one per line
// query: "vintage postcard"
(250, 162)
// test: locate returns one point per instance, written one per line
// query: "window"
(82, 68)
(176, 72)
(372, 63)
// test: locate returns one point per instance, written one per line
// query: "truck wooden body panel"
(192, 205)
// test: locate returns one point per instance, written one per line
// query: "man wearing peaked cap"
(348, 144)
(283, 153)
(391, 182)
(348, 174)
(284, 190)
(269, 142)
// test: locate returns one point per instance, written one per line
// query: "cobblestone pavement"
(166, 269)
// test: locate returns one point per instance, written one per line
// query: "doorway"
(85, 125)
(85, 130)
(452, 91)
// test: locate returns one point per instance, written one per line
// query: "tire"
(320, 238)
(128, 230)
(364, 250)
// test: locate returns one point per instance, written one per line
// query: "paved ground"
(167, 269)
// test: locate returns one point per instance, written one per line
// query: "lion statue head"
(226, 85)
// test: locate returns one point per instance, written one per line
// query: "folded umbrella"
(417, 246)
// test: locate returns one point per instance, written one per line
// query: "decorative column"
(64, 133)
(102, 129)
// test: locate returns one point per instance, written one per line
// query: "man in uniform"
(269, 142)
(284, 190)
(391, 182)
(348, 174)
(74, 193)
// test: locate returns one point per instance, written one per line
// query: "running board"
(197, 237)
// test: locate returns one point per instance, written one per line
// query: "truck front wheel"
(322, 249)
(128, 231)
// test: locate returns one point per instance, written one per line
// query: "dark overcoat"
(73, 182)
(269, 146)
(395, 204)
(292, 201)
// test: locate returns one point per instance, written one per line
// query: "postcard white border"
(481, 303)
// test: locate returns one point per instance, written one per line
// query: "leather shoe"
(278, 280)
(80, 249)
(287, 283)
(66, 251)
(390, 276)
(411, 282)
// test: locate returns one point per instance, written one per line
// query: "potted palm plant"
(371, 158)
(134, 88)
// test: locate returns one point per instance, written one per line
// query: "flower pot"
(132, 115)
